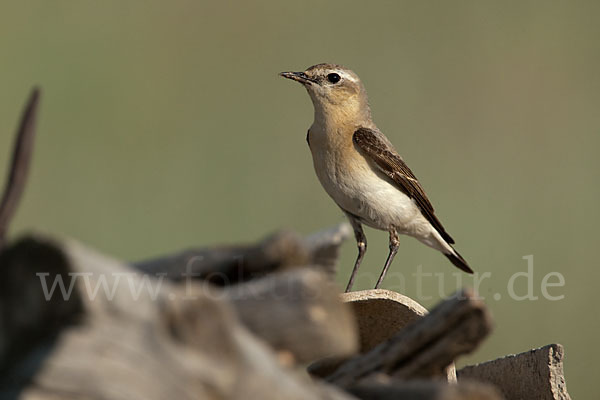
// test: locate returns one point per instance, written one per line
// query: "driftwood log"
(229, 265)
(298, 313)
(119, 334)
(384, 388)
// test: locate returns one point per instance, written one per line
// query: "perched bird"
(362, 172)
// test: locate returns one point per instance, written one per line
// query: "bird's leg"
(361, 243)
(394, 244)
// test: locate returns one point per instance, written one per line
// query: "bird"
(362, 172)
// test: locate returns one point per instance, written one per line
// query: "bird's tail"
(436, 241)
(456, 259)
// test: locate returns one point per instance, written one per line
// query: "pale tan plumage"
(360, 169)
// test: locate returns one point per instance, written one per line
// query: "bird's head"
(336, 92)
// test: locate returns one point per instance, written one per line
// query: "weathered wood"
(324, 247)
(19, 166)
(535, 374)
(26, 316)
(392, 389)
(136, 337)
(380, 314)
(298, 312)
(228, 265)
(427, 346)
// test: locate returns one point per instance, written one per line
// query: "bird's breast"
(335, 159)
(350, 180)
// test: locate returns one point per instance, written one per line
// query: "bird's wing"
(374, 146)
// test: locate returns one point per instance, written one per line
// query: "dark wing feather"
(375, 147)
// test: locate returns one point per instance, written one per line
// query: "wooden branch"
(393, 389)
(19, 166)
(534, 374)
(228, 265)
(426, 347)
(297, 312)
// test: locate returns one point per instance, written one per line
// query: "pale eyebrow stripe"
(347, 76)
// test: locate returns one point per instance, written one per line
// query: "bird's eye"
(333, 78)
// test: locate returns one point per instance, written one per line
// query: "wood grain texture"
(534, 374)
(163, 341)
(384, 388)
(229, 265)
(298, 312)
(425, 348)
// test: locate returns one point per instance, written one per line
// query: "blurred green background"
(165, 125)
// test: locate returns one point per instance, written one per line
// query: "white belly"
(358, 189)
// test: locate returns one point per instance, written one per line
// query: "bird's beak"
(298, 77)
